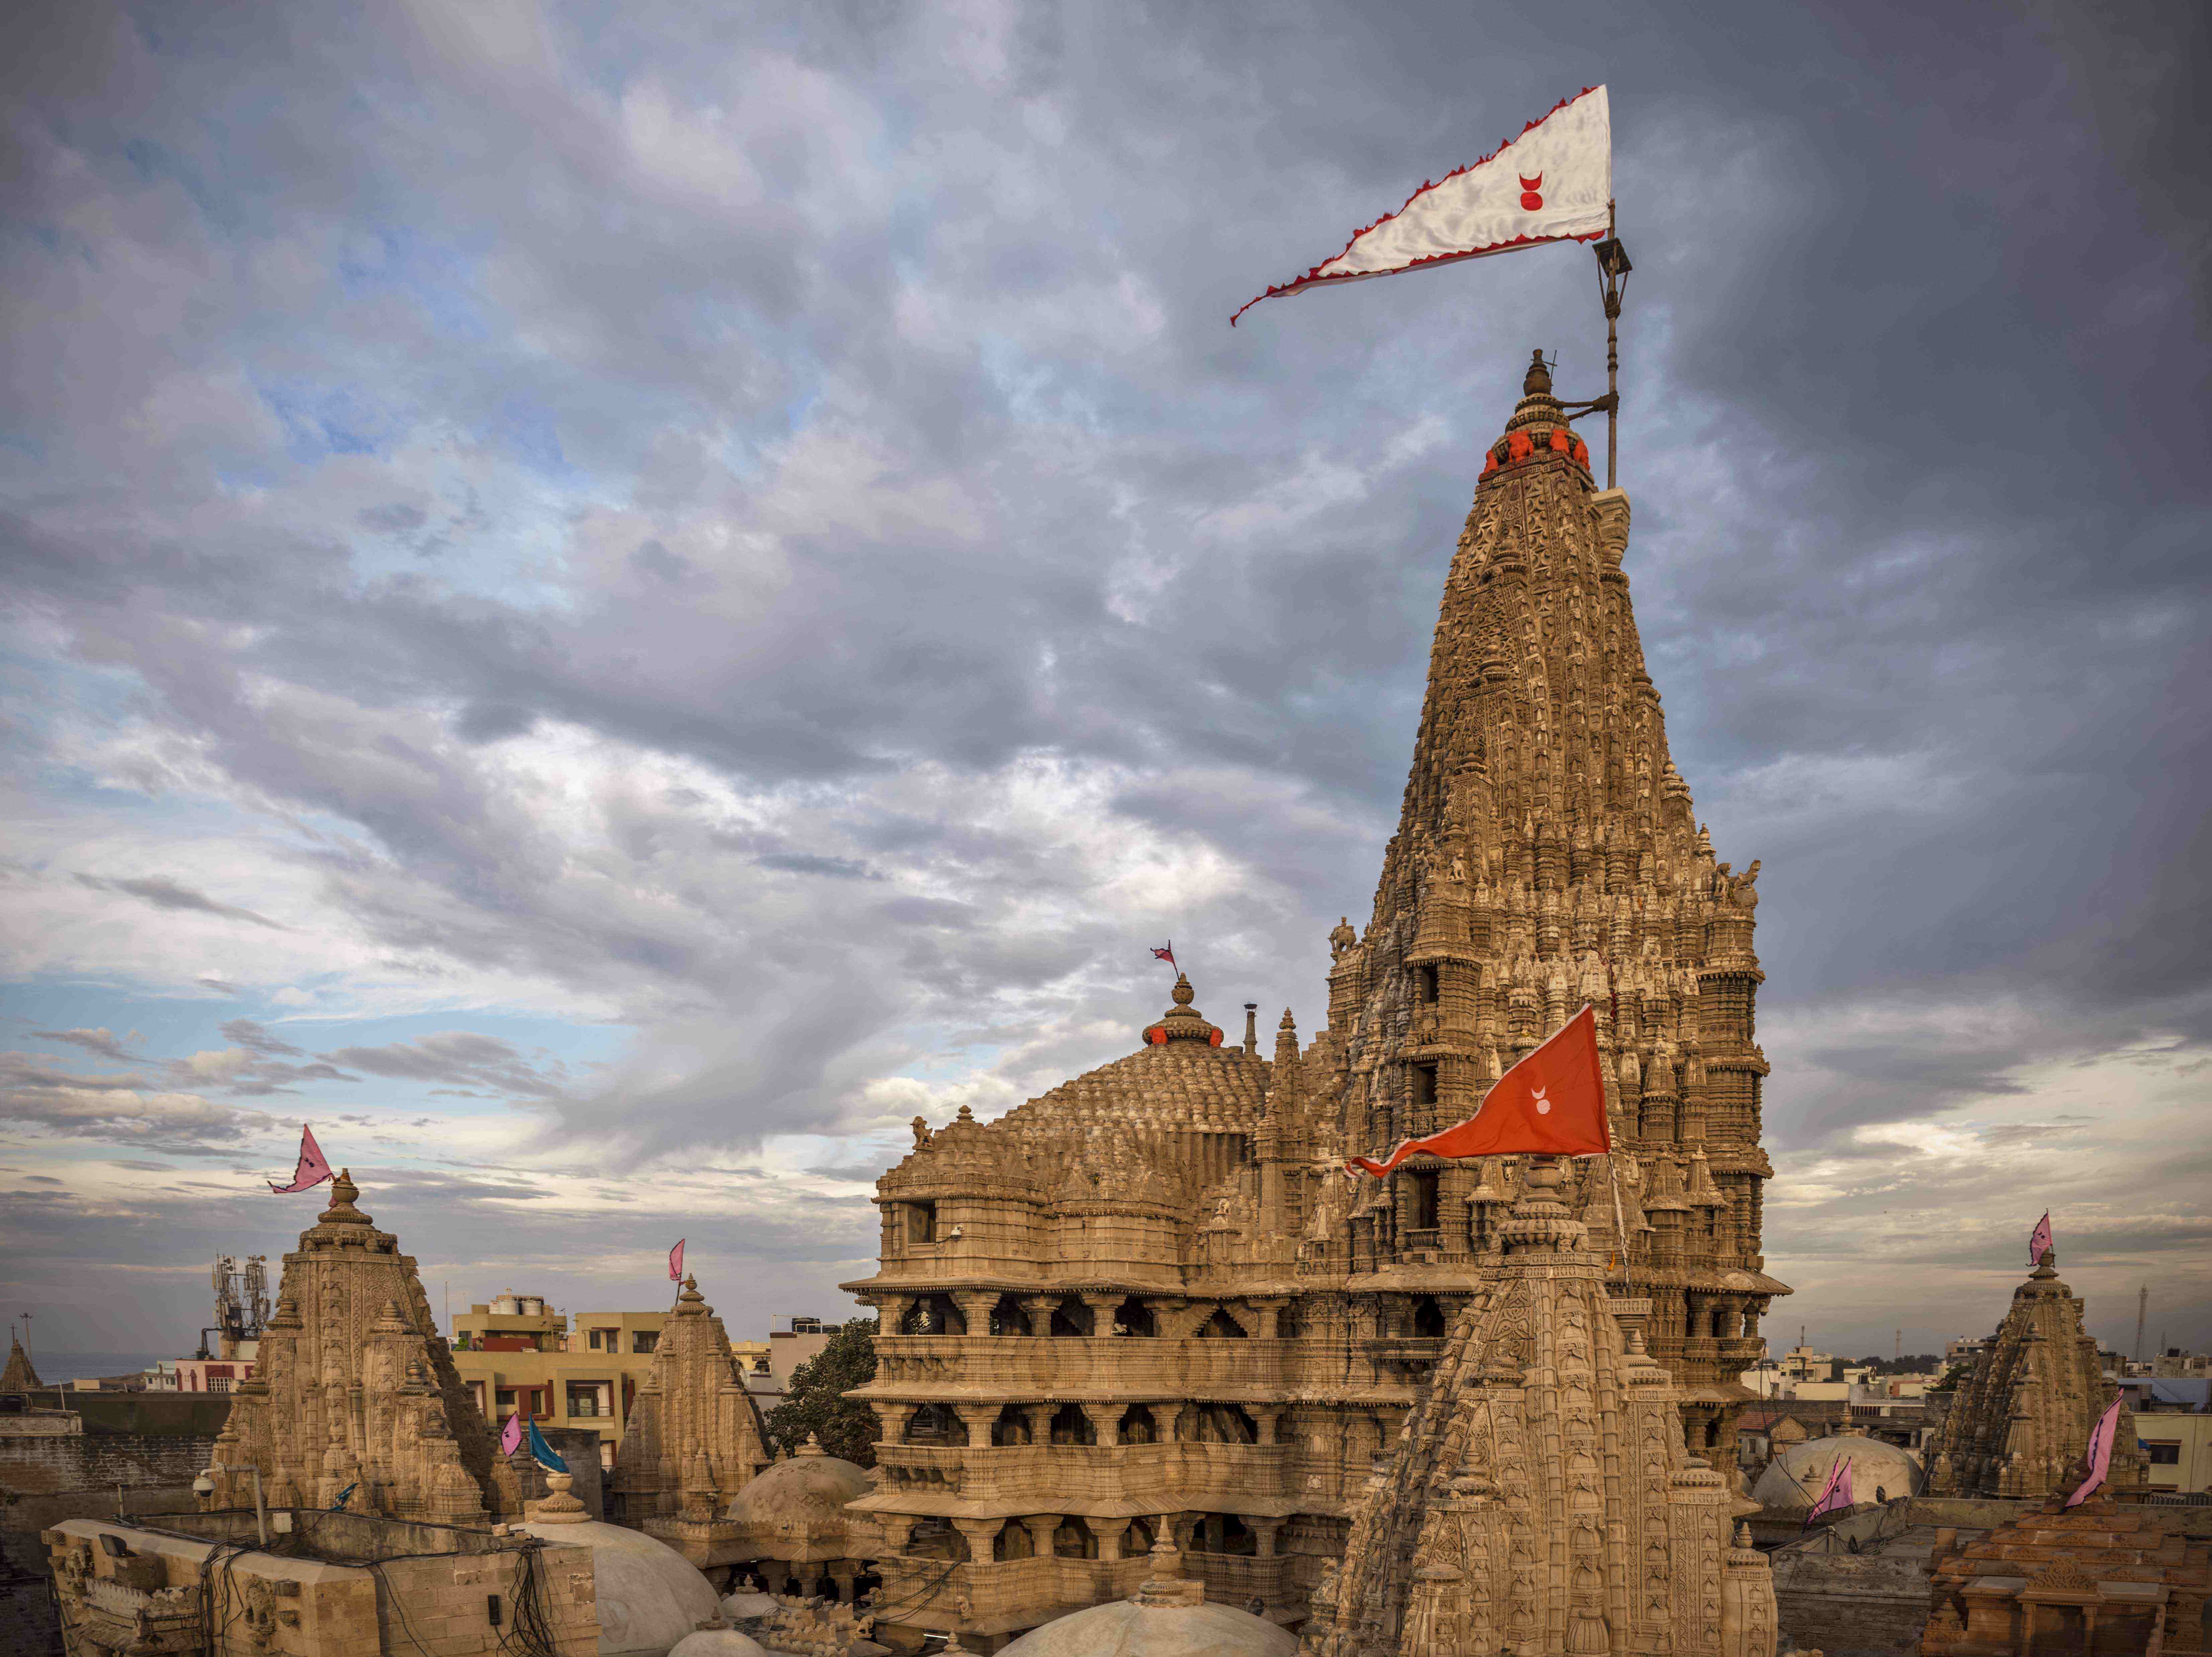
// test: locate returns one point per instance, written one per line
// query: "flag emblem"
(1532, 197)
(1543, 1104)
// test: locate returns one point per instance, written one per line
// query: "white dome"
(809, 1490)
(1795, 1479)
(717, 1642)
(1129, 1629)
(649, 1595)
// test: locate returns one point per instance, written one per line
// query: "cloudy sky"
(607, 602)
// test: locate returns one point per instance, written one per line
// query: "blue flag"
(542, 1452)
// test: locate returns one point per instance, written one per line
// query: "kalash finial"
(1538, 381)
(342, 1211)
(1184, 994)
(1183, 1021)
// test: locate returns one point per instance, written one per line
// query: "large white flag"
(1553, 183)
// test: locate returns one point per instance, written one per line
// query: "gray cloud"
(164, 893)
(102, 1043)
(877, 594)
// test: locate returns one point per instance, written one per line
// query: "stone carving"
(2022, 1420)
(354, 1394)
(1051, 1283)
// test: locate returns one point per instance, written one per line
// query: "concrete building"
(2173, 1424)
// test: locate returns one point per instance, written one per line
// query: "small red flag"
(676, 1261)
(1167, 955)
(313, 1168)
(2039, 1240)
(1551, 1104)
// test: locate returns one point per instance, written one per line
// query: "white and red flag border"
(1320, 274)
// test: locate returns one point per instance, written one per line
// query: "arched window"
(1288, 1326)
(936, 1538)
(1012, 1541)
(1219, 1327)
(1074, 1540)
(1137, 1541)
(933, 1314)
(1012, 1427)
(1008, 1317)
(1223, 1533)
(1070, 1318)
(1138, 1427)
(1428, 1319)
(1720, 1323)
(1070, 1426)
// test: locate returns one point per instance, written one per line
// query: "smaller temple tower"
(695, 1436)
(1539, 1500)
(354, 1395)
(2024, 1416)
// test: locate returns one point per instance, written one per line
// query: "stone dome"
(811, 1488)
(650, 1597)
(735, 1607)
(1795, 1477)
(717, 1642)
(1129, 1628)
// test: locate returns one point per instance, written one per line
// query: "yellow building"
(514, 1354)
(2175, 1429)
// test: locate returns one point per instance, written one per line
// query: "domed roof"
(650, 1597)
(717, 1642)
(1796, 1476)
(1129, 1628)
(810, 1488)
(744, 1603)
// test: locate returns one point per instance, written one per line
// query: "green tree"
(814, 1404)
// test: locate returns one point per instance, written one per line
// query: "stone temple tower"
(2021, 1421)
(355, 1394)
(1547, 856)
(1540, 1500)
(1148, 1305)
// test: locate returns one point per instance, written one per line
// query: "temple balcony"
(1020, 1593)
(1120, 1480)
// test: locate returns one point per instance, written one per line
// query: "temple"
(355, 1402)
(1149, 1306)
(1540, 1500)
(2019, 1420)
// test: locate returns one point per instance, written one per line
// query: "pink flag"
(1167, 954)
(2100, 1454)
(676, 1261)
(313, 1168)
(2039, 1239)
(1836, 1493)
(510, 1436)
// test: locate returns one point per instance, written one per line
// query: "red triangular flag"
(313, 1168)
(676, 1261)
(1551, 1104)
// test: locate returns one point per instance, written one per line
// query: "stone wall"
(44, 1481)
(1847, 1605)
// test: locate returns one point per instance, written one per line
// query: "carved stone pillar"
(978, 1418)
(1041, 1528)
(1039, 1417)
(1269, 1417)
(975, 1305)
(1038, 1309)
(978, 1534)
(891, 1311)
(897, 1530)
(1266, 1530)
(894, 1416)
(1105, 1422)
(1103, 1307)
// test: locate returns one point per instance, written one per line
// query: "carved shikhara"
(356, 1391)
(2019, 1422)
(1149, 1303)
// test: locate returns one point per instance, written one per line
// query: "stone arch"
(1012, 1427)
(1139, 1426)
(1223, 1533)
(1137, 1540)
(1220, 1423)
(1073, 1539)
(1008, 1317)
(1429, 1320)
(1071, 1425)
(1072, 1318)
(1012, 1541)
(1220, 1327)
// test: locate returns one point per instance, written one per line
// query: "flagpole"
(1612, 267)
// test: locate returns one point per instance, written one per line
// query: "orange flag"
(1551, 1104)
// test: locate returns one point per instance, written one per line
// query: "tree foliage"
(814, 1403)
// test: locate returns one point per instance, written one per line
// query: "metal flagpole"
(1613, 269)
